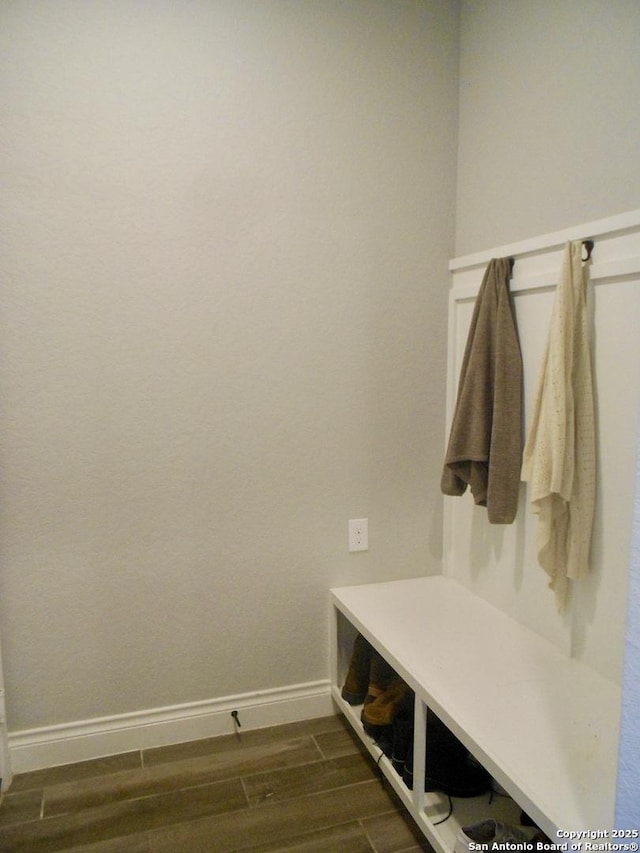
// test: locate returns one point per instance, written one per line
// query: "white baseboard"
(34, 749)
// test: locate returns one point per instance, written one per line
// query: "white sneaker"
(491, 835)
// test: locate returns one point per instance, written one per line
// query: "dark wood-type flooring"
(306, 787)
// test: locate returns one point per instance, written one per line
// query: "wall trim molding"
(35, 749)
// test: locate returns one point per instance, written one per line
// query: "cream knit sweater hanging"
(559, 459)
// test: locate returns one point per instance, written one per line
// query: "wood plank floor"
(307, 787)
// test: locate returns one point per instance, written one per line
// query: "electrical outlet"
(359, 534)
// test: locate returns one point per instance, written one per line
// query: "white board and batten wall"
(534, 693)
(498, 563)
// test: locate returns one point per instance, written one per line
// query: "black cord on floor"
(493, 793)
(438, 822)
(380, 770)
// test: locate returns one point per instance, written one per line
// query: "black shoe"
(464, 779)
(402, 742)
(449, 766)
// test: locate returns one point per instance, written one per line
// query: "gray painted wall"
(549, 117)
(226, 228)
(628, 801)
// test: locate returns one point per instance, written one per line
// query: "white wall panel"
(500, 562)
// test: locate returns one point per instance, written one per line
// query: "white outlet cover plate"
(358, 534)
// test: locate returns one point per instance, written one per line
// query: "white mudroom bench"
(542, 723)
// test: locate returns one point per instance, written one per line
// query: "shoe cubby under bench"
(542, 723)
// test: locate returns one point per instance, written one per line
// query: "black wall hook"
(588, 244)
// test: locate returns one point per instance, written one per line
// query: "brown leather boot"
(356, 683)
(381, 712)
(381, 676)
